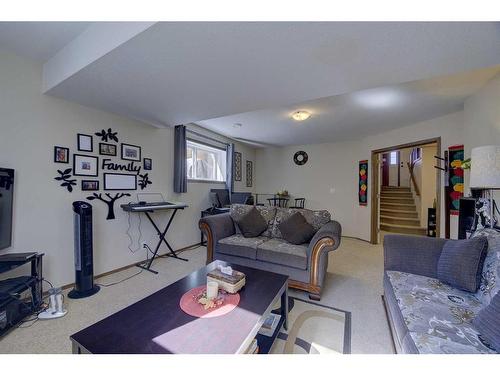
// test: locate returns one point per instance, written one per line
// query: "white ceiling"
(38, 41)
(354, 115)
(174, 73)
(170, 73)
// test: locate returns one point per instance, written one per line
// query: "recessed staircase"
(398, 213)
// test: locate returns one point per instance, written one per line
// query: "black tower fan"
(84, 265)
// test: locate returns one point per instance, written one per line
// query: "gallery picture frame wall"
(61, 154)
(130, 152)
(85, 165)
(107, 149)
(119, 181)
(90, 185)
(85, 142)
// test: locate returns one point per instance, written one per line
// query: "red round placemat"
(191, 307)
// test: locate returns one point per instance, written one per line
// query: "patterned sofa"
(425, 314)
(305, 264)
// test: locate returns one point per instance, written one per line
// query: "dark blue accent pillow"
(461, 263)
(487, 323)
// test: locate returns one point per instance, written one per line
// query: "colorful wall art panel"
(456, 177)
(363, 183)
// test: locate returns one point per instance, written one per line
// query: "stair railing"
(412, 178)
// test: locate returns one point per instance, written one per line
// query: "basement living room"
(202, 202)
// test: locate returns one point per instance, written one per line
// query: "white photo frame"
(85, 165)
(119, 181)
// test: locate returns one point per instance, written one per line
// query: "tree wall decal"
(107, 135)
(64, 177)
(110, 202)
(144, 181)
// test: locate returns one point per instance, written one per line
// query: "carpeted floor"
(354, 283)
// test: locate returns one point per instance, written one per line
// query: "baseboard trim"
(191, 247)
(356, 238)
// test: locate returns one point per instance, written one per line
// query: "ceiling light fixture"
(237, 125)
(301, 115)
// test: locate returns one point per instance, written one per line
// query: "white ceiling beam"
(94, 42)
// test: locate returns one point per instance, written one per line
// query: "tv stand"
(16, 285)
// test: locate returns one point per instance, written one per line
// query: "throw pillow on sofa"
(239, 210)
(316, 218)
(487, 322)
(252, 224)
(461, 263)
(490, 280)
(296, 229)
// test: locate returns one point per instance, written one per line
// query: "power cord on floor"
(121, 281)
(148, 250)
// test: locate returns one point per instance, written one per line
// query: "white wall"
(482, 117)
(31, 124)
(425, 176)
(330, 178)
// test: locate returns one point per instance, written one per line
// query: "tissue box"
(230, 283)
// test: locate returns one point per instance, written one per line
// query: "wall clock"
(300, 157)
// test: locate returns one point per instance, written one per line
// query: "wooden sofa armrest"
(216, 227)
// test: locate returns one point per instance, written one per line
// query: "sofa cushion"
(281, 252)
(316, 218)
(239, 210)
(461, 263)
(252, 224)
(240, 246)
(487, 322)
(490, 278)
(296, 229)
(437, 316)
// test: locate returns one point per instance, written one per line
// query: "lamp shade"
(485, 167)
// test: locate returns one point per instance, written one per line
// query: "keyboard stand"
(161, 236)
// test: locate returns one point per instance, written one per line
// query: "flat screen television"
(6, 200)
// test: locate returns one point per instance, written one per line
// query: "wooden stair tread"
(401, 226)
(398, 211)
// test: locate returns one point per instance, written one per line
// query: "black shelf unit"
(431, 222)
(12, 308)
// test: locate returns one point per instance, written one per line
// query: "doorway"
(395, 191)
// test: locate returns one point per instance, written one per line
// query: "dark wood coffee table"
(156, 324)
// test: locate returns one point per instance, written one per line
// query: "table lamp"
(485, 171)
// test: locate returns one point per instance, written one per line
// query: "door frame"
(375, 184)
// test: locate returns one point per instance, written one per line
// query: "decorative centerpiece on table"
(209, 303)
(229, 280)
(218, 297)
(282, 194)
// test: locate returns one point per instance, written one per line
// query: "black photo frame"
(86, 183)
(78, 170)
(147, 164)
(61, 154)
(107, 149)
(109, 184)
(126, 152)
(85, 142)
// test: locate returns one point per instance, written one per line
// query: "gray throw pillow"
(487, 323)
(461, 263)
(296, 229)
(252, 224)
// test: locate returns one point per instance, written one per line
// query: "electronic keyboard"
(152, 206)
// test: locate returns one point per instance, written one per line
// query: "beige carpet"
(354, 283)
